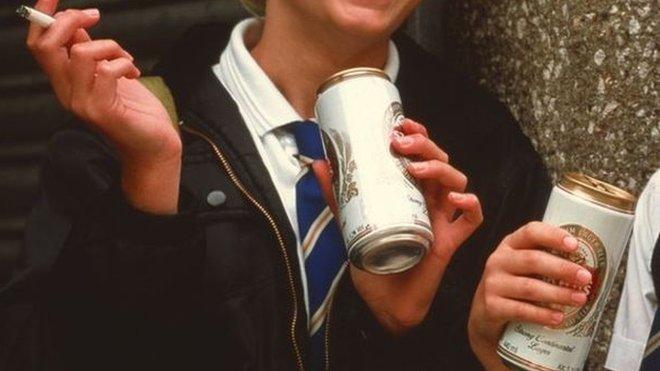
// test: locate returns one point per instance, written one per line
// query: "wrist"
(151, 184)
(485, 350)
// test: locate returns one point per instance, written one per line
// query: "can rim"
(350, 74)
(598, 192)
(367, 246)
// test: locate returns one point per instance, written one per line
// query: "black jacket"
(107, 287)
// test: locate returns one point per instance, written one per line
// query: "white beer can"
(382, 212)
(600, 216)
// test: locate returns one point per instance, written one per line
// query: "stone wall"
(580, 76)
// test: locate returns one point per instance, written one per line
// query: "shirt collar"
(260, 98)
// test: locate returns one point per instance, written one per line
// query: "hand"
(96, 80)
(512, 286)
(401, 301)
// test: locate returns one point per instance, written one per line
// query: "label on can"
(371, 183)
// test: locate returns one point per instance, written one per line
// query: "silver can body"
(382, 212)
(602, 233)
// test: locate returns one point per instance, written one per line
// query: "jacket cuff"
(128, 223)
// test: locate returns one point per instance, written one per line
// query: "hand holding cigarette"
(96, 80)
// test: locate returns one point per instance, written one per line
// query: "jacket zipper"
(273, 225)
(327, 333)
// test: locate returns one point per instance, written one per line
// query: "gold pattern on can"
(591, 254)
(598, 192)
(338, 150)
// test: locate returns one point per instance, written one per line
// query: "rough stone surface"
(581, 77)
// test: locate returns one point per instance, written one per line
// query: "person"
(636, 315)
(149, 249)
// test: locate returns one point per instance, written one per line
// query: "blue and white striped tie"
(320, 238)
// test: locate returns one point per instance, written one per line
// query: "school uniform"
(221, 285)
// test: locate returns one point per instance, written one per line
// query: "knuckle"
(494, 261)
(103, 68)
(535, 226)
(530, 259)
(462, 181)
(70, 13)
(31, 44)
(528, 230)
(528, 288)
(77, 51)
(490, 302)
(418, 138)
(520, 311)
(41, 46)
(112, 44)
(490, 284)
(565, 295)
(566, 269)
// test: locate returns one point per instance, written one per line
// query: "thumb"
(323, 174)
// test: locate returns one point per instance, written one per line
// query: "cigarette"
(35, 16)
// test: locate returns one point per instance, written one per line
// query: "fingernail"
(419, 166)
(570, 242)
(92, 12)
(578, 297)
(583, 276)
(456, 196)
(557, 318)
(404, 140)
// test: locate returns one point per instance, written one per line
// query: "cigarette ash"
(23, 11)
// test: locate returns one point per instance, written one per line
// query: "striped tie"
(320, 238)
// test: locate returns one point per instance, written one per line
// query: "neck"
(299, 57)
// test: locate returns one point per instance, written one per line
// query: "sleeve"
(638, 302)
(85, 243)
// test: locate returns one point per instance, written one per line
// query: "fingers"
(34, 30)
(66, 25)
(49, 47)
(439, 172)
(537, 234)
(535, 290)
(418, 145)
(541, 263)
(323, 173)
(506, 310)
(470, 219)
(84, 60)
(412, 127)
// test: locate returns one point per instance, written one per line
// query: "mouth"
(372, 4)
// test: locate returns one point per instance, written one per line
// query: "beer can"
(600, 216)
(382, 212)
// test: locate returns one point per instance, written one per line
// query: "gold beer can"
(600, 216)
(382, 212)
